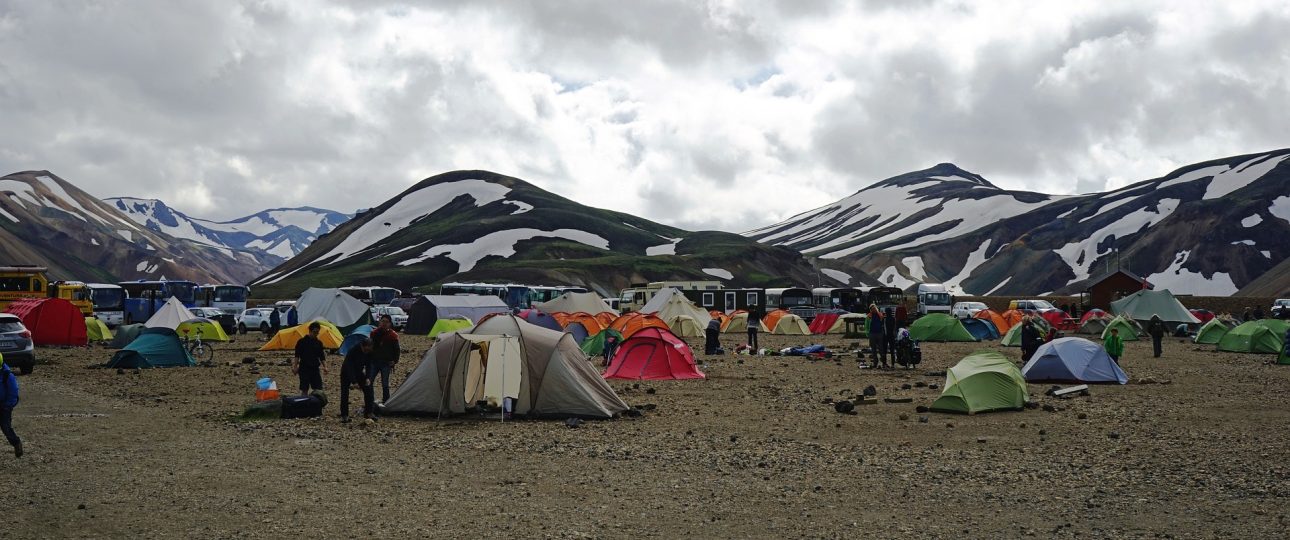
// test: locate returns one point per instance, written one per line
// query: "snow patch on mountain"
(501, 244)
(915, 266)
(839, 275)
(1241, 175)
(1252, 221)
(520, 206)
(1182, 281)
(1198, 174)
(412, 206)
(892, 278)
(718, 272)
(20, 192)
(999, 286)
(1080, 255)
(127, 235)
(11, 217)
(1281, 207)
(663, 249)
(1243, 242)
(974, 259)
(58, 191)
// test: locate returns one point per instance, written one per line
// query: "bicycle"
(198, 349)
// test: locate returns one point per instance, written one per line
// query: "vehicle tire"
(241, 328)
(264, 327)
(26, 367)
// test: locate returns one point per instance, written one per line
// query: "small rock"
(921, 409)
(1113, 435)
(573, 422)
(1082, 416)
(920, 384)
(904, 416)
(827, 401)
(981, 440)
(933, 386)
(248, 360)
(870, 390)
(80, 507)
(844, 406)
(923, 419)
(120, 371)
(899, 400)
(1050, 408)
(734, 438)
(1043, 432)
(906, 386)
(649, 390)
(949, 425)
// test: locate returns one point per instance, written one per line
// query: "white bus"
(230, 299)
(109, 303)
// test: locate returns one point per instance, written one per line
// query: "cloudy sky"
(725, 115)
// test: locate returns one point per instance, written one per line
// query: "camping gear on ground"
(266, 389)
(126, 334)
(1211, 333)
(939, 327)
(1072, 360)
(630, 323)
(334, 305)
(51, 321)
(981, 382)
(1263, 336)
(1001, 324)
(804, 351)
(95, 330)
(354, 338)
(309, 406)
(573, 302)
(1143, 304)
(505, 356)
(285, 339)
(908, 352)
(653, 354)
(1129, 331)
(429, 309)
(153, 348)
(981, 329)
(449, 324)
(171, 315)
(789, 324)
(595, 345)
(207, 329)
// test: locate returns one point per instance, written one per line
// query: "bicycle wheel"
(201, 352)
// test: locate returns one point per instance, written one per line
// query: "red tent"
(1093, 313)
(823, 322)
(653, 354)
(1059, 319)
(1203, 315)
(52, 321)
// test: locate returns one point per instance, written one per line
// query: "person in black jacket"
(275, 322)
(876, 343)
(385, 354)
(1031, 339)
(356, 370)
(1157, 330)
(310, 360)
(711, 337)
(754, 325)
(889, 336)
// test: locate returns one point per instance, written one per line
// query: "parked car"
(15, 344)
(225, 320)
(398, 317)
(1037, 306)
(254, 319)
(1281, 308)
(965, 310)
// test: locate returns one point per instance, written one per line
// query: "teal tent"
(126, 334)
(155, 347)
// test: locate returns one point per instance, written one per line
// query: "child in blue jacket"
(9, 400)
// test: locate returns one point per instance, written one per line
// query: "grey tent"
(573, 302)
(1142, 305)
(429, 308)
(542, 371)
(334, 306)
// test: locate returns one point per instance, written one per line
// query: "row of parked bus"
(806, 303)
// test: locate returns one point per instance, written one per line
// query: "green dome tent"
(155, 347)
(1128, 332)
(983, 381)
(1142, 305)
(1262, 336)
(939, 327)
(1212, 332)
(595, 345)
(1013, 337)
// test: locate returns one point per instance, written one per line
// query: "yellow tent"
(449, 325)
(208, 330)
(286, 339)
(791, 325)
(96, 330)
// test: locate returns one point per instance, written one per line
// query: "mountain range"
(280, 232)
(1212, 228)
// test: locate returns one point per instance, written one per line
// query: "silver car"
(398, 317)
(15, 344)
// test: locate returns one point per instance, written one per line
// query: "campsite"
(1188, 447)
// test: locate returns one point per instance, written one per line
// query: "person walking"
(711, 336)
(310, 360)
(385, 354)
(8, 401)
(754, 325)
(1031, 339)
(356, 371)
(876, 344)
(1114, 345)
(1157, 330)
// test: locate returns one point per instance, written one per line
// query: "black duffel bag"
(309, 406)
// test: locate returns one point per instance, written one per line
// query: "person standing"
(310, 361)
(1030, 339)
(876, 342)
(8, 401)
(385, 354)
(754, 325)
(1114, 345)
(1258, 313)
(889, 328)
(1246, 316)
(275, 322)
(1157, 330)
(711, 336)
(356, 371)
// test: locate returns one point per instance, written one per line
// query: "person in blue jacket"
(9, 400)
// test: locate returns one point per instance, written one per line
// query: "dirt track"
(750, 452)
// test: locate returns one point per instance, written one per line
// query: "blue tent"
(578, 332)
(355, 337)
(1073, 359)
(981, 329)
(155, 347)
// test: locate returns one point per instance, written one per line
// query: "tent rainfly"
(669, 304)
(51, 321)
(939, 327)
(334, 305)
(981, 382)
(429, 308)
(153, 348)
(171, 315)
(573, 302)
(653, 354)
(1142, 305)
(1073, 360)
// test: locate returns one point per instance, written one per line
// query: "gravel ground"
(756, 450)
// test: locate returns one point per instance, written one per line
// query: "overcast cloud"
(725, 115)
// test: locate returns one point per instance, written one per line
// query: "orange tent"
(636, 321)
(606, 318)
(771, 319)
(587, 320)
(1012, 317)
(1000, 323)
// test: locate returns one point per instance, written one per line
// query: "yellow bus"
(22, 281)
(76, 292)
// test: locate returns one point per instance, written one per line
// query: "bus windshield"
(181, 290)
(383, 295)
(230, 293)
(107, 299)
(936, 299)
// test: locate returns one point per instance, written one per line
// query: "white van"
(933, 298)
